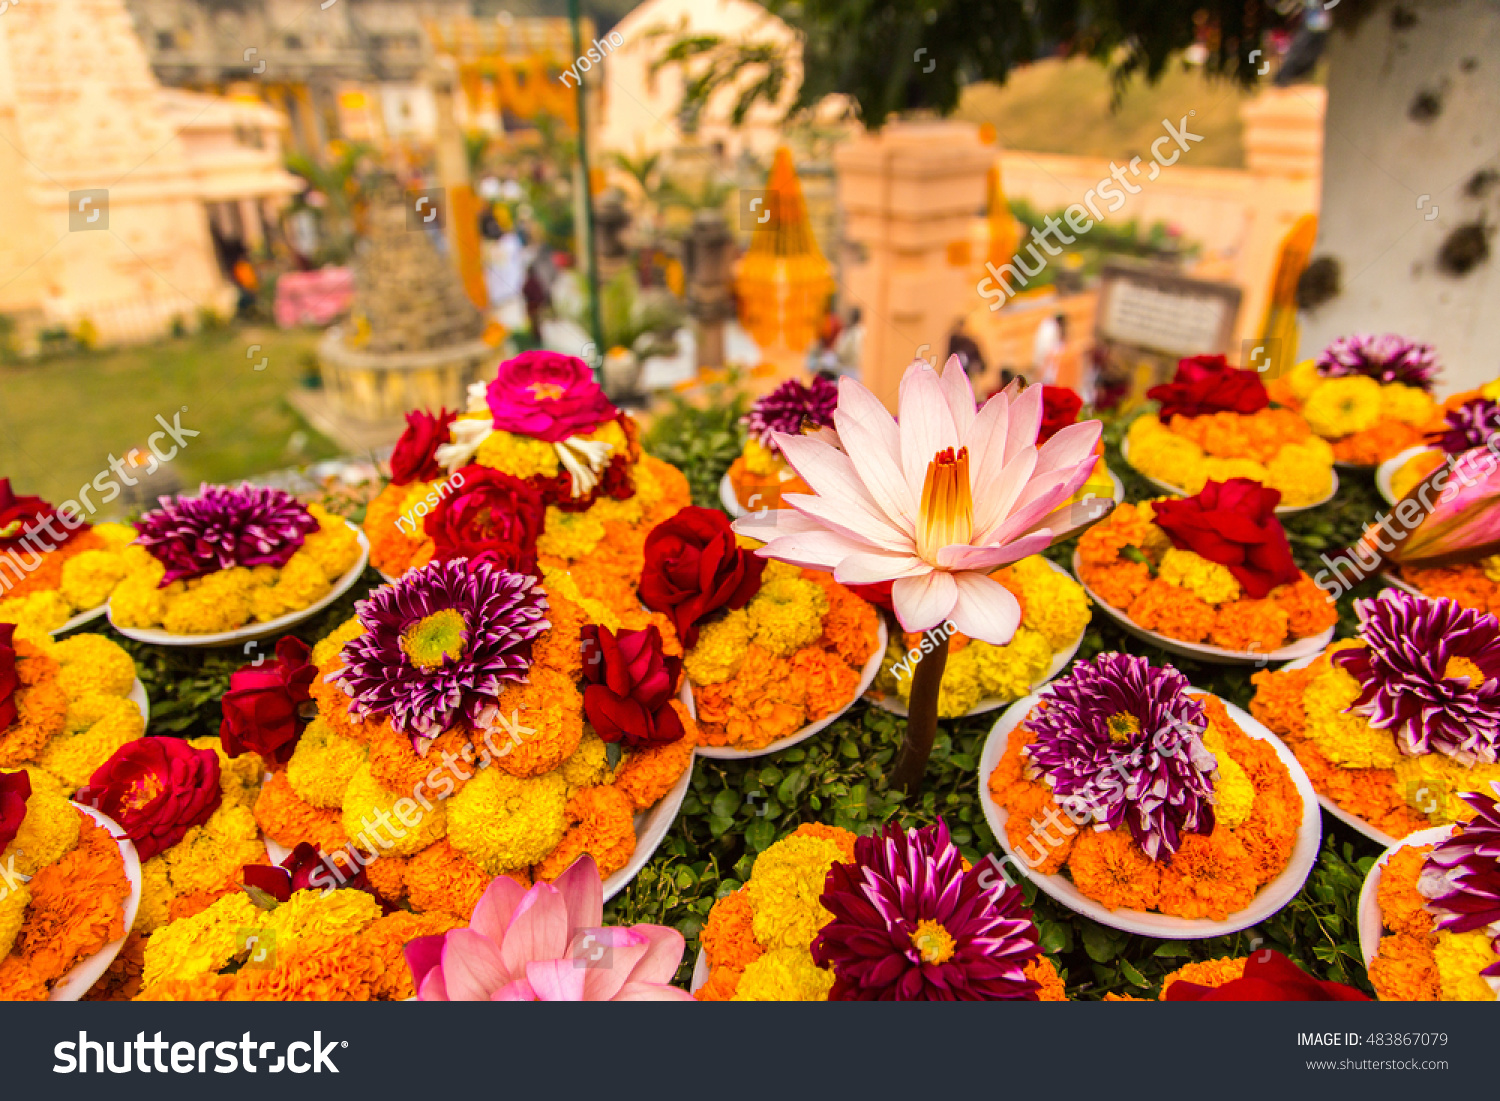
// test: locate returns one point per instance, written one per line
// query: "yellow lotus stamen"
(1463, 667)
(934, 943)
(947, 515)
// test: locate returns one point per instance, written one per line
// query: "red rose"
(488, 511)
(1269, 977)
(1234, 524)
(20, 516)
(630, 685)
(10, 683)
(304, 869)
(694, 567)
(156, 789)
(877, 593)
(15, 789)
(415, 456)
(264, 707)
(1060, 407)
(1207, 384)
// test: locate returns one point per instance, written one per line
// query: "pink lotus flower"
(546, 944)
(933, 502)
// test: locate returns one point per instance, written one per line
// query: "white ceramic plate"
(85, 973)
(728, 499)
(137, 696)
(1060, 661)
(1311, 646)
(701, 973)
(1380, 837)
(1370, 922)
(866, 678)
(255, 630)
(80, 619)
(1268, 900)
(1281, 510)
(1390, 578)
(1386, 472)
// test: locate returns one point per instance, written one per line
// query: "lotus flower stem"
(921, 720)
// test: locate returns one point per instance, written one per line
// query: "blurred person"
(850, 345)
(962, 345)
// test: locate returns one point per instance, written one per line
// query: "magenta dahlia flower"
(1388, 358)
(1430, 674)
(791, 408)
(1473, 424)
(910, 925)
(1123, 739)
(223, 527)
(547, 396)
(440, 645)
(1461, 878)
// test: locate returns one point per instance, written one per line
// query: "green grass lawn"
(62, 418)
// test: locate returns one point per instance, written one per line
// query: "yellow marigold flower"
(137, 602)
(327, 648)
(215, 602)
(156, 896)
(721, 649)
(1460, 958)
(569, 535)
(1302, 471)
(302, 582)
(90, 576)
(1163, 456)
(88, 708)
(760, 460)
(41, 612)
(322, 765)
(1208, 581)
(210, 854)
(73, 758)
(1343, 406)
(784, 888)
(203, 943)
(42, 780)
(1432, 783)
(117, 536)
(1491, 567)
(960, 689)
(387, 822)
(13, 905)
(47, 834)
(518, 456)
(335, 545)
(501, 821)
(239, 777)
(784, 975)
(1234, 794)
(93, 665)
(588, 766)
(607, 509)
(1008, 672)
(1407, 404)
(1221, 470)
(1491, 390)
(1056, 605)
(1346, 740)
(1304, 379)
(315, 913)
(787, 614)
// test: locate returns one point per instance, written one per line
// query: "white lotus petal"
(871, 568)
(960, 394)
(985, 609)
(1025, 421)
(924, 601)
(926, 426)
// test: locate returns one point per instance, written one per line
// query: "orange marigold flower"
(1038, 831)
(122, 981)
(602, 824)
(19, 983)
(48, 573)
(1043, 972)
(1278, 699)
(395, 766)
(388, 876)
(828, 680)
(1307, 607)
(1209, 876)
(1118, 583)
(1467, 584)
(1385, 440)
(285, 818)
(1109, 867)
(1128, 526)
(442, 879)
(1402, 907)
(1172, 611)
(559, 647)
(204, 988)
(728, 936)
(77, 905)
(551, 707)
(313, 969)
(851, 626)
(1257, 625)
(1214, 973)
(721, 985)
(646, 775)
(41, 706)
(385, 963)
(840, 837)
(333, 706)
(1405, 970)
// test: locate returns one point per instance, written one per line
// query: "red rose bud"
(156, 789)
(629, 685)
(694, 568)
(1207, 384)
(1269, 977)
(304, 869)
(490, 512)
(1060, 407)
(415, 456)
(1234, 524)
(15, 789)
(10, 681)
(263, 709)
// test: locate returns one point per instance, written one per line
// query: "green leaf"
(725, 804)
(1172, 949)
(760, 835)
(1132, 976)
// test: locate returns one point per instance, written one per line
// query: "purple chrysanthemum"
(1430, 673)
(1473, 424)
(440, 645)
(910, 925)
(1124, 740)
(223, 527)
(1387, 358)
(790, 408)
(1461, 877)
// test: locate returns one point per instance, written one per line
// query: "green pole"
(591, 249)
